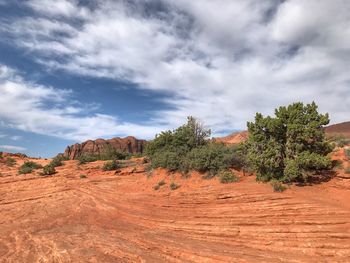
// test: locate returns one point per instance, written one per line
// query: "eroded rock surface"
(128, 144)
(107, 217)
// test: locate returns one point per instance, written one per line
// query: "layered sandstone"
(128, 144)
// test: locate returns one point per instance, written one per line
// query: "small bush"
(347, 153)
(156, 187)
(337, 164)
(227, 177)
(58, 161)
(1, 155)
(161, 183)
(48, 170)
(149, 170)
(278, 186)
(28, 167)
(82, 176)
(10, 161)
(110, 166)
(347, 170)
(88, 159)
(174, 186)
(110, 153)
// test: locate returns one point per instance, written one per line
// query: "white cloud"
(46, 110)
(12, 148)
(16, 138)
(221, 60)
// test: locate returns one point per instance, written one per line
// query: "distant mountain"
(233, 138)
(128, 144)
(341, 129)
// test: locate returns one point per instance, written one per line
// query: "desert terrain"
(119, 217)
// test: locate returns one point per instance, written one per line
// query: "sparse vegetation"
(337, 164)
(188, 148)
(48, 170)
(82, 176)
(278, 186)
(88, 159)
(108, 153)
(58, 161)
(339, 141)
(149, 170)
(174, 186)
(290, 146)
(110, 166)
(228, 177)
(10, 161)
(28, 167)
(347, 153)
(159, 184)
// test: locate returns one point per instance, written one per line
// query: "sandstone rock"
(129, 145)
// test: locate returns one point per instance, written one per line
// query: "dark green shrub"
(1, 155)
(227, 177)
(10, 161)
(278, 186)
(58, 161)
(211, 157)
(169, 149)
(161, 183)
(188, 148)
(110, 153)
(28, 167)
(110, 166)
(25, 170)
(82, 176)
(289, 146)
(48, 170)
(88, 159)
(174, 186)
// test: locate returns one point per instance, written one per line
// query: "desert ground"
(119, 217)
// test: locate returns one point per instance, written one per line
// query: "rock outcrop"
(340, 129)
(129, 144)
(234, 138)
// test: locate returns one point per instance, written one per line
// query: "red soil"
(110, 217)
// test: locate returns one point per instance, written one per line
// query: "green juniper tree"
(291, 145)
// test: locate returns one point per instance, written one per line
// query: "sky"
(72, 70)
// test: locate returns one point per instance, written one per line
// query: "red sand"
(121, 218)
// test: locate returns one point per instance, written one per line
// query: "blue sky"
(74, 70)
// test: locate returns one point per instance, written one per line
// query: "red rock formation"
(234, 138)
(340, 129)
(129, 144)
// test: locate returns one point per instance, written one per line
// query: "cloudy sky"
(73, 70)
